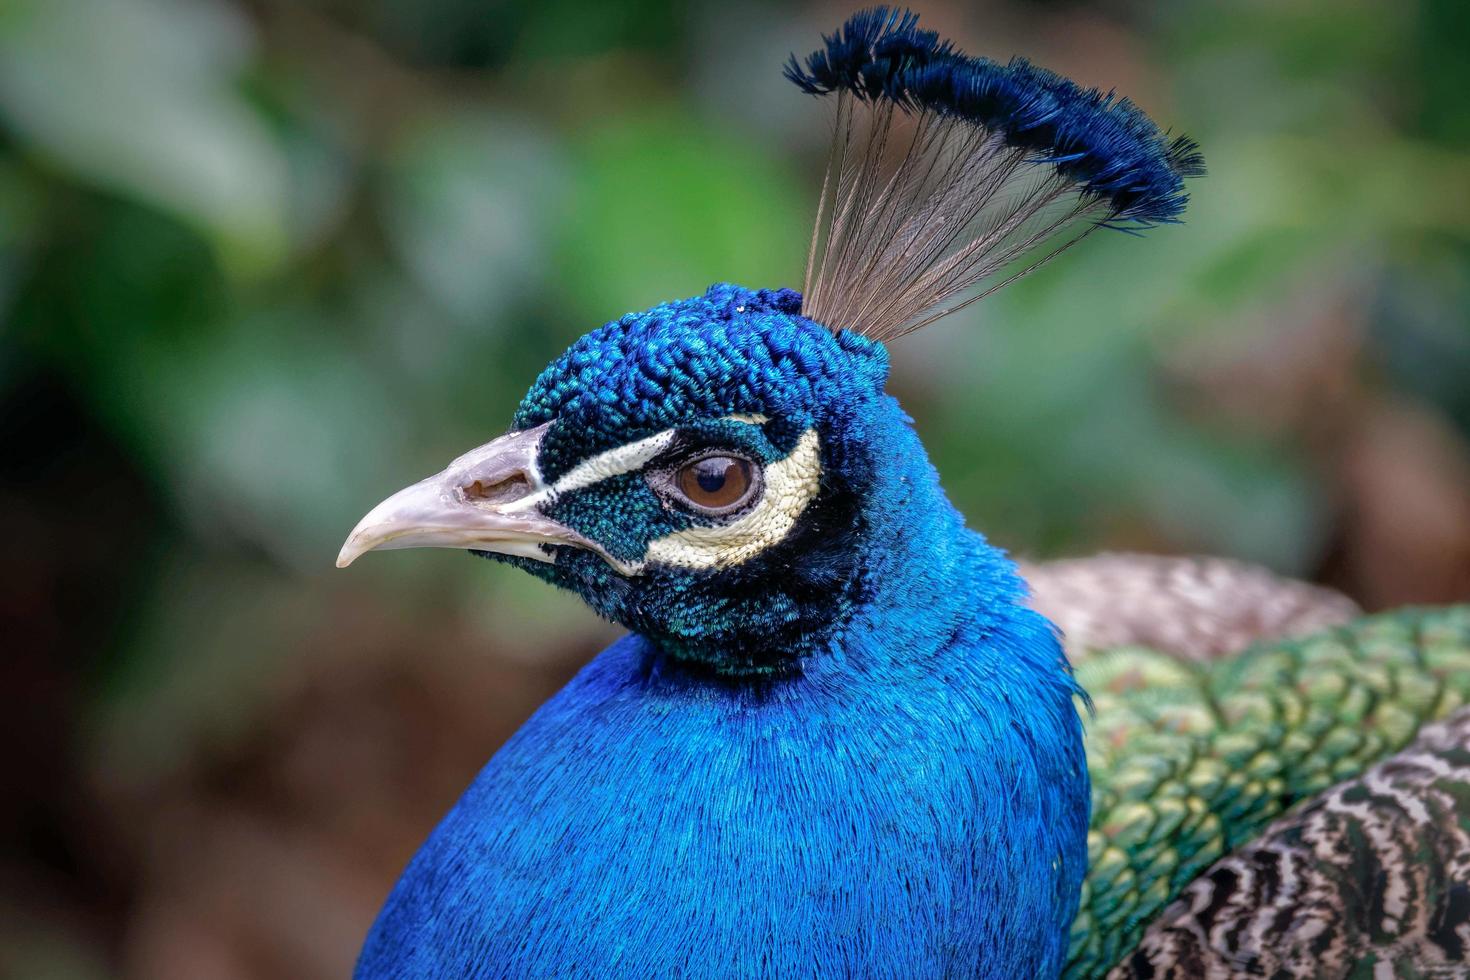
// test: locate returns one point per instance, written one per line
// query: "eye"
(715, 483)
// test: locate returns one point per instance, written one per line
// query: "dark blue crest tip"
(1106, 144)
(866, 53)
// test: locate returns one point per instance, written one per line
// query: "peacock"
(842, 736)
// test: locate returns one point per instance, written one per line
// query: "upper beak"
(484, 501)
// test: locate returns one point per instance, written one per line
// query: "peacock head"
(720, 473)
(698, 472)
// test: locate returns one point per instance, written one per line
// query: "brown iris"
(715, 482)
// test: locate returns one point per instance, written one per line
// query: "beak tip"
(351, 551)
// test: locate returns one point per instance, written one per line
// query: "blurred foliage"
(263, 261)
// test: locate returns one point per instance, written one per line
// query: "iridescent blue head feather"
(731, 351)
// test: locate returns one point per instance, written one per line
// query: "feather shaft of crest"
(950, 177)
(811, 253)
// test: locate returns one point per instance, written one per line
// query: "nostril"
(503, 491)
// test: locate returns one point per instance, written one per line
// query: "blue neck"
(928, 580)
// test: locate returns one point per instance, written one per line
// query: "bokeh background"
(264, 261)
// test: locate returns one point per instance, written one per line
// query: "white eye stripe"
(613, 462)
(791, 484)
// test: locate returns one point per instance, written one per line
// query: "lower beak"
(483, 501)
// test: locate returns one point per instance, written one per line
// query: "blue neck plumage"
(926, 570)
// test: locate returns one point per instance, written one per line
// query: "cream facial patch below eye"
(791, 484)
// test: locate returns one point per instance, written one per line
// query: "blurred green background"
(262, 262)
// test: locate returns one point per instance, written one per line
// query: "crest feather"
(952, 176)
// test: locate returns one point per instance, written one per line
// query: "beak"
(484, 501)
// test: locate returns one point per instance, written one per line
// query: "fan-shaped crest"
(952, 176)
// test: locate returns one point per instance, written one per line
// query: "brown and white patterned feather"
(1372, 879)
(1195, 608)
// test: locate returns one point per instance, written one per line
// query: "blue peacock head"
(721, 474)
(697, 472)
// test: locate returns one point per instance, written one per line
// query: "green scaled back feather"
(1190, 760)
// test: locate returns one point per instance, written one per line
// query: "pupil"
(715, 481)
(710, 474)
